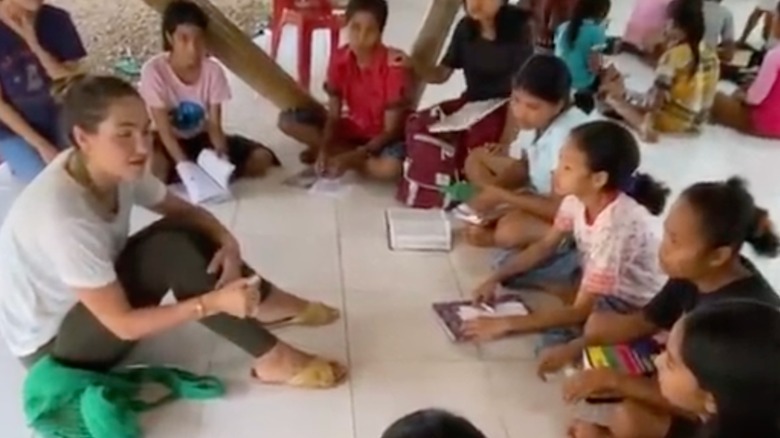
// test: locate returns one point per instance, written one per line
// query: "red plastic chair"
(307, 16)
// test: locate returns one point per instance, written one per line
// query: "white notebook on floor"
(418, 230)
(207, 180)
(467, 116)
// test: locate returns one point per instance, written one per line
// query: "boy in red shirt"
(367, 84)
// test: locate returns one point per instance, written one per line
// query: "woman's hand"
(486, 292)
(227, 263)
(239, 298)
(486, 328)
(589, 383)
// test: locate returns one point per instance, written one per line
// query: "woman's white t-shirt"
(53, 241)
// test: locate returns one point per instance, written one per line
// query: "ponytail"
(730, 217)
(648, 192)
(612, 149)
(584, 10)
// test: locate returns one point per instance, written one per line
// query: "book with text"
(452, 314)
(207, 180)
(418, 230)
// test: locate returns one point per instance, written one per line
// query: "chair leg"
(276, 38)
(304, 55)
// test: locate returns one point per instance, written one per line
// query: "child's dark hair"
(432, 423)
(733, 348)
(181, 12)
(688, 16)
(377, 8)
(611, 148)
(585, 10)
(86, 100)
(546, 77)
(729, 216)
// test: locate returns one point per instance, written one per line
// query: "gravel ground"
(106, 40)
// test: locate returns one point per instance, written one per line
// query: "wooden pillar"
(247, 61)
(433, 34)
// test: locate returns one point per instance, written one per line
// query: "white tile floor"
(334, 250)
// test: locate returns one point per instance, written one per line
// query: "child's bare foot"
(647, 133)
(286, 365)
(477, 235)
(308, 156)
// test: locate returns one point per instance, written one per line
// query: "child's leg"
(389, 164)
(23, 159)
(251, 158)
(518, 229)
(305, 126)
(731, 112)
(637, 118)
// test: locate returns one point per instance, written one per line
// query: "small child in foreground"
(432, 423)
(368, 87)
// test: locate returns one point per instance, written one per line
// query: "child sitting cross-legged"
(607, 210)
(184, 90)
(367, 84)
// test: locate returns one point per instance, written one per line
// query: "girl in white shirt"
(74, 286)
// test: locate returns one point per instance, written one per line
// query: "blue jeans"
(23, 159)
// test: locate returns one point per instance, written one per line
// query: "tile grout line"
(342, 280)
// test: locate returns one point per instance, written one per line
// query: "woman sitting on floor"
(685, 84)
(721, 365)
(368, 99)
(757, 110)
(489, 44)
(74, 286)
(185, 90)
(644, 32)
(39, 45)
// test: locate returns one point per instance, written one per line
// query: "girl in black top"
(489, 44)
(432, 423)
(700, 251)
(721, 364)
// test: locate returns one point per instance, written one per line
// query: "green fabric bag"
(64, 402)
(460, 191)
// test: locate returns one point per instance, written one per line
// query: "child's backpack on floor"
(433, 162)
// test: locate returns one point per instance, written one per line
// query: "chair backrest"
(324, 7)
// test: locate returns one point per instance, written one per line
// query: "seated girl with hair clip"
(704, 233)
(606, 211)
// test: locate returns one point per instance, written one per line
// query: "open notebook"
(208, 180)
(452, 314)
(467, 116)
(418, 230)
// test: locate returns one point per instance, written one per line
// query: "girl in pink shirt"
(184, 90)
(606, 211)
(645, 27)
(757, 110)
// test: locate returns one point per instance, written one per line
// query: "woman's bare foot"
(284, 362)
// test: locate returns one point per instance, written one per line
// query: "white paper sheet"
(467, 313)
(333, 187)
(199, 186)
(468, 115)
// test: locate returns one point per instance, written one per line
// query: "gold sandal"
(315, 314)
(317, 374)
